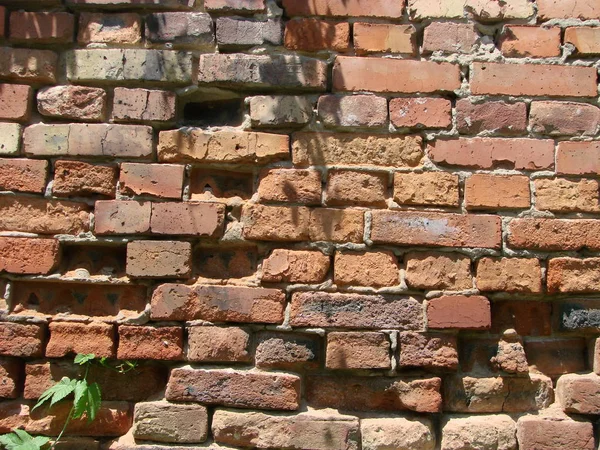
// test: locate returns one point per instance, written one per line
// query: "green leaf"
(80, 401)
(94, 400)
(84, 358)
(57, 392)
(21, 440)
(87, 400)
(41, 441)
(9, 440)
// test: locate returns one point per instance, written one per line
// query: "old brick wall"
(317, 224)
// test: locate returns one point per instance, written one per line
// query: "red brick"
(159, 259)
(353, 111)
(25, 64)
(218, 262)
(37, 215)
(557, 356)
(439, 271)
(162, 343)
(70, 338)
(342, 8)
(312, 35)
(430, 351)
(72, 102)
(235, 6)
(217, 304)
(235, 388)
(574, 275)
(578, 158)
(376, 269)
(122, 217)
(123, 28)
(585, 39)
(10, 377)
(322, 309)
(564, 118)
(159, 180)
(428, 188)
(336, 225)
(188, 218)
(143, 105)
(15, 101)
(348, 188)
(42, 27)
(384, 38)
(358, 351)
(295, 266)
(2, 21)
(482, 10)
(435, 229)
(554, 234)
(509, 275)
(180, 29)
(374, 393)
(393, 75)
(483, 191)
(459, 311)
(292, 223)
(533, 80)
(28, 256)
(594, 355)
(495, 116)
(568, 9)
(528, 318)
(421, 112)
(218, 344)
(290, 186)
(524, 41)
(23, 175)
(287, 351)
(541, 433)
(449, 37)
(21, 340)
(210, 184)
(81, 179)
(489, 153)
(13, 415)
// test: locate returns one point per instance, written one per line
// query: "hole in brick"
(229, 112)
(207, 184)
(94, 260)
(218, 263)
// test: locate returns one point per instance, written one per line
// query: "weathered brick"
(347, 188)
(353, 350)
(262, 71)
(42, 27)
(488, 153)
(112, 4)
(72, 102)
(440, 271)
(449, 37)
(322, 309)
(322, 149)
(290, 185)
(353, 111)
(81, 179)
(68, 338)
(159, 259)
(377, 269)
(528, 318)
(459, 311)
(556, 356)
(2, 21)
(115, 65)
(21, 340)
(481, 9)
(578, 158)
(38, 215)
(287, 351)
(554, 234)
(15, 101)
(122, 217)
(169, 422)
(533, 80)
(494, 116)
(384, 38)
(144, 105)
(337, 225)
(374, 393)
(13, 415)
(564, 118)
(430, 351)
(162, 343)
(218, 344)
(489, 432)
(320, 430)
(574, 275)
(280, 110)
(23, 175)
(421, 112)
(526, 41)
(314, 34)
(295, 266)
(292, 223)
(594, 355)
(25, 64)
(234, 32)
(10, 377)
(91, 140)
(235, 6)
(435, 229)
(393, 75)
(159, 180)
(567, 9)
(218, 262)
(410, 433)
(484, 191)
(10, 138)
(184, 29)
(217, 304)
(427, 188)
(577, 316)
(584, 39)
(235, 388)
(124, 28)
(342, 8)
(196, 145)
(536, 432)
(509, 275)
(188, 218)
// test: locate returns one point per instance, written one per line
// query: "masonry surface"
(316, 224)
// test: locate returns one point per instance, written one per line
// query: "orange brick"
(314, 34)
(376, 269)
(21, 340)
(523, 41)
(159, 259)
(568, 9)
(562, 195)
(292, 223)
(440, 271)
(356, 350)
(449, 37)
(428, 188)
(295, 266)
(43, 27)
(122, 217)
(384, 38)
(15, 101)
(585, 39)
(578, 158)
(159, 180)
(459, 311)
(28, 256)
(347, 188)
(495, 116)
(483, 191)
(343, 8)
(336, 225)
(188, 218)
(509, 275)
(573, 275)
(68, 338)
(554, 234)
(80, 179)
(147, 342)
(421, 112)
(290, 185)
(23, 175)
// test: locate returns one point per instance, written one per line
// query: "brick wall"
(317, 224)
